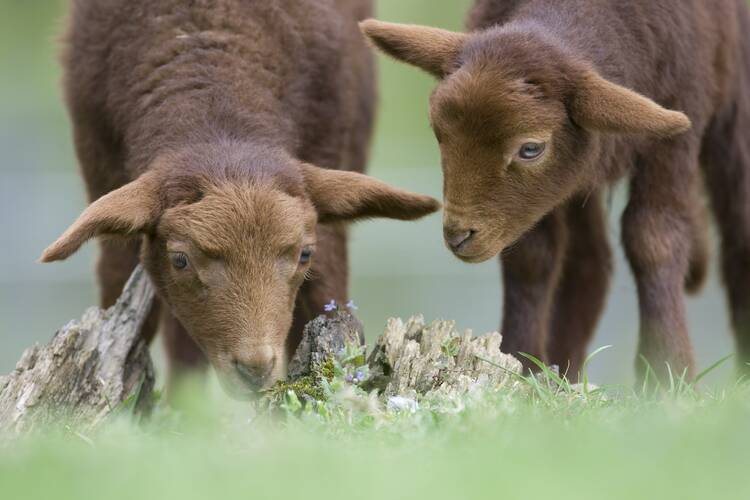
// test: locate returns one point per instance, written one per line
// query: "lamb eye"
(531, 150)
(179, 261)
(305, 256)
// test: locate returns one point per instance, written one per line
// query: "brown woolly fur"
(219, 138)
(541, 106)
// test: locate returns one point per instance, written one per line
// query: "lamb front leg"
(657, 238)
(531, 271)
(582, 293)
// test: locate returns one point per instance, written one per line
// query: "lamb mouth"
(475, 257)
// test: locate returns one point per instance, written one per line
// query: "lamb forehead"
(494, 104)
(229, 215)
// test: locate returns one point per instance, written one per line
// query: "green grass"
(536, 441)
(533, 438)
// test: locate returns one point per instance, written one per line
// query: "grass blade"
(711, 368)
(584, 368)
(551, 375)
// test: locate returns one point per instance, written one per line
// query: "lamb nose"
(254, 376)
(457, 237)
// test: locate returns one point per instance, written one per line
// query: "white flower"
(399, 403)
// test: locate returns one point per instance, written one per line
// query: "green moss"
(306, 388)
(328, 369)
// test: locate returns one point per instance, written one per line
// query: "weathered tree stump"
(95, 366)
(323, 337)
(91, 368)
(410, 360)
(416, 360)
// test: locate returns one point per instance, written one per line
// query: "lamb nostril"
(254, 376)
(456, 238)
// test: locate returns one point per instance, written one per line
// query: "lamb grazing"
(546, 103)
(224, 139)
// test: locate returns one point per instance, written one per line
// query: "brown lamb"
(224, 139)
(541, 107)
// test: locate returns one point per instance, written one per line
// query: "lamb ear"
(431, 49)
(347, 196)
(602, 105)
(124, 211)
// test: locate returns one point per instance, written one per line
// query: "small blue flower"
(360, 375)
(331, 306)
(349, 377)
(351, 305)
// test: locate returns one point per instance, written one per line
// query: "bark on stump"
(90, 369)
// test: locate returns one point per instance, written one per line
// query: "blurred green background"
(398, 269)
